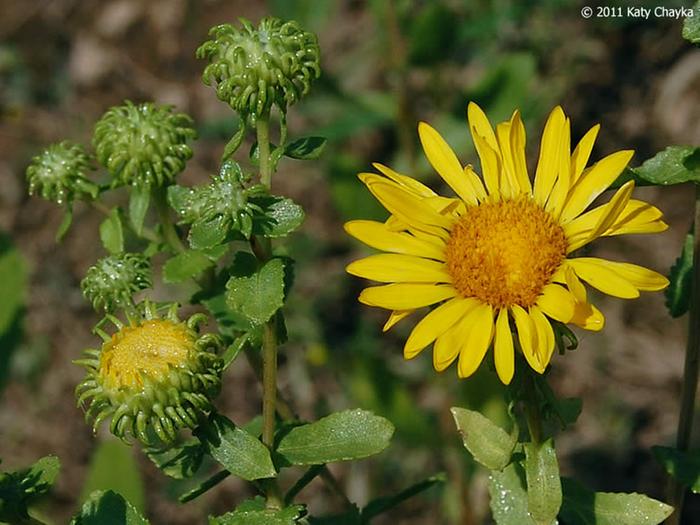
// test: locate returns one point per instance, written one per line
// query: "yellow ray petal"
(545, 335)
(557, 198)
(641, 278)
(594, 182)
(379, 236)
(510, 187)
(479, 123)
(476, 339)
(612, 210)
(406, 296)
(490, 164)
(436, 323)
(588, 317)
(407, 182)
(475, 181)
(557, 302)
(395, 317)
(527, 337)
(575, 285)
(446, 347)
(582, 153)
(549, 162)
(517, 149)
(395, 268)
(504, 354)
(603, 278)
(445, 162)
(411, 209)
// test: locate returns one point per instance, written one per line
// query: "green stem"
(262, 128)
(170, 234)
(533, 415)
(690, 371)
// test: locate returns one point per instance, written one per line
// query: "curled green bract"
(256, 68)
(59, 173)
(222, 205)
(113, 280)
(152, 377)
(144, 144)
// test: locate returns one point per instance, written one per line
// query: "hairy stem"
(170, 234)
(262, 128)
(690, 372)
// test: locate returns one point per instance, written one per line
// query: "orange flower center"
(504, 253)
(147, 350)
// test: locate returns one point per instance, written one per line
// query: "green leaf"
(204, 487)
(691, 25)
(13, 276)
(253, 512)
(235, 449)
(683, 466)
(259, 295)
(113, 467)
(185, 265)
(381, 505)
(65, 223)
(279, 217)
(681, 280)
(674, 165)
(509, 496)
(347, 435)
(305, 148)
(139, 199)
(543, 483)
(111, 233)
(585, 507)
(234, 349)
(108, 508)
(207, 234)
(235, 142)
(487, 442)
(179, 462)
(19, 490)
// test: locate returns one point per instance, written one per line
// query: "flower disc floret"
(113, 280)
(144, 144)
(59, 173)
(256, 68)
(152, 377)
(504, 253)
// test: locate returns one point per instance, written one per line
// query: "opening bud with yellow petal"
(143, 145)
(59, 173)
(151, 378)
(256, 68)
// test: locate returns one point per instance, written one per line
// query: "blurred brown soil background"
(64, 62)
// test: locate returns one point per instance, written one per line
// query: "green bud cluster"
(59, 173)
(255, 69)
(113, 280)
(143, 145)
(223, 204)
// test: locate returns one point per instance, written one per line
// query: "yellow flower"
(496, 259)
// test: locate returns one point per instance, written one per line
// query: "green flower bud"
(223, 203)
(113, 280)
(151, 378)
(143, 145)
(59, 173)
(255, 69)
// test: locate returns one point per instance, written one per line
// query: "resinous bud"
(59, 173)
(143, 144)
(112, 281)
(256, 68)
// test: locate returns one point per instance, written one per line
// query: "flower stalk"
(690, 368)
